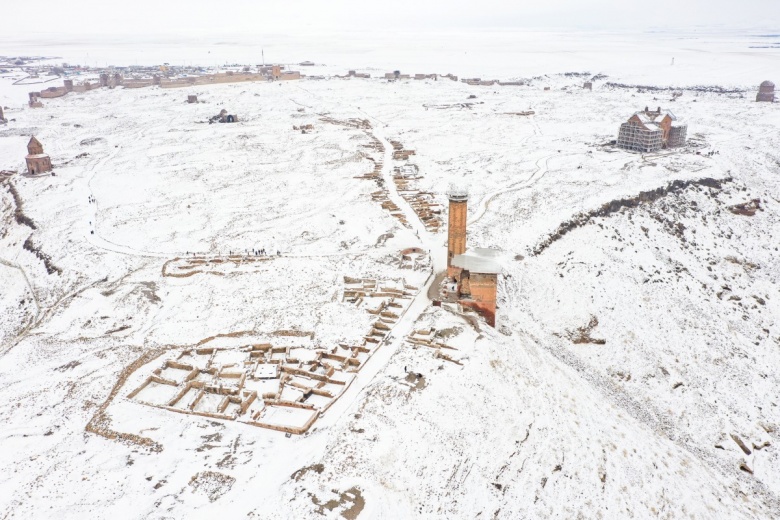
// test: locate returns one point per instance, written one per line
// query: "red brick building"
(651, 130)
(475, 271)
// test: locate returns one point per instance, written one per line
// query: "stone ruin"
(37, 161)
(766, 92)
(281, 381)
(223, 117)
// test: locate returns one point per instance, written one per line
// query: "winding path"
(33, 321)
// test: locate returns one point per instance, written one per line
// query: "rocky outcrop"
(645, 197)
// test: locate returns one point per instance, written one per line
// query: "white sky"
(85, 17)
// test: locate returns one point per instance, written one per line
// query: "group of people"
(255, 252)
(262, 252)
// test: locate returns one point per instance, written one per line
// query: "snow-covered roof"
(652, 118)
(456, 192)
(644, 118)
(479, 260)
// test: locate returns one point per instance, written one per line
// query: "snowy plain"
(530, 424)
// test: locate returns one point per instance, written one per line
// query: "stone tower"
(37, 161)
(766, 92)
(34, 147)
(456, 231)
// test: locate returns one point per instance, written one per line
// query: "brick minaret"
(456, 233)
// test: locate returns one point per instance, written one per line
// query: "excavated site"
(259, 318)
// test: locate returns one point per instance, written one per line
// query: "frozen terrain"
(634, 370)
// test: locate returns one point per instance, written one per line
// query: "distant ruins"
(651, 130)
(34, 102)
(473, 272)
(766, 92)
(116, 79)
(37, 161)
(469, 81)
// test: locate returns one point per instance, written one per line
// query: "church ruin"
(37, 161)
(651, 130)
(766, 92)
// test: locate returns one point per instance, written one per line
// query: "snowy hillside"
(633, 372)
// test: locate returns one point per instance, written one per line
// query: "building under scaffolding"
(651, 130)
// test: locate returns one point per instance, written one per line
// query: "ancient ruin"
(144, 78)
(766, 92)
(34, 102)
(651, 130)
(223, 117)
(283, 380)
(37, 161)
(473, 273)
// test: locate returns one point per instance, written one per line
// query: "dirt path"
(35, 319)
(542, 168)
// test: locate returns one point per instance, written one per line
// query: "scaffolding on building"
(678, 134)
(637, 139)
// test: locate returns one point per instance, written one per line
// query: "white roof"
(655, 119)
(479, 260)
(267, 371)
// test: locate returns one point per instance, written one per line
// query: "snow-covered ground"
(634, 352)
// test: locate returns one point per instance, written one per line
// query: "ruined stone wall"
(138, 83)
(479, 291)
(53, 92)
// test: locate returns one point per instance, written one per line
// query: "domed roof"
(767, 83)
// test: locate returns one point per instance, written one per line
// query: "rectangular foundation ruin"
(285, 381)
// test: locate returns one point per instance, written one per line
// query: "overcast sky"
(85, 17)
